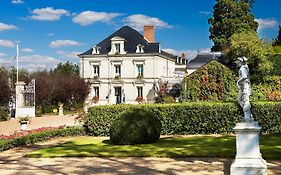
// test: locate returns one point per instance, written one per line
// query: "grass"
(173, 146)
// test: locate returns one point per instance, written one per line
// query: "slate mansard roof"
(132, 39)
(203, 58)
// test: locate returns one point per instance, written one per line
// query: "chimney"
(148, 33)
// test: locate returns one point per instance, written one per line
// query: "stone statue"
(244, 86)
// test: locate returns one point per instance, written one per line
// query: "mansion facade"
(125, 67)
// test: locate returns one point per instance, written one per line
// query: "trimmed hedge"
(40, 137)
(190, 118)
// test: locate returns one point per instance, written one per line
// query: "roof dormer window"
(117, 46)
(140, 49)
(96, 50)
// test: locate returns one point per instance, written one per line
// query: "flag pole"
(17, 57)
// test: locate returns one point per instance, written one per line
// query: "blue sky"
(53, 31)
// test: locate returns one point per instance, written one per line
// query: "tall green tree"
(67, 68)
(229, 17)
(277, 40)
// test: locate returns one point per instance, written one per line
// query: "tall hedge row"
(190, 118)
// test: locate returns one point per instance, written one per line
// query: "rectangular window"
(140, 70)
(117, 48)
(96, 91)
(117, 70)
(140, 91)
(96, 70)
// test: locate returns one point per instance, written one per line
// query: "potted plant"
(96, 78)
(139, 99)
(117, 77)
(24, 120)
(95, 99)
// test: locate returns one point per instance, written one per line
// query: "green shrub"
(190, 118)
(48, 108)
(269, 89)
(40, 137)
(212, 82)
(4, 114)
(38, 111)
(135, 126)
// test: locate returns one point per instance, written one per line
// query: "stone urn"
(24, 120)
(23, 125)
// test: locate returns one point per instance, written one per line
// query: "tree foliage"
(5, 91)
(248, 44)
(54, 88)
(212, 82)
(229, 17)
(67, 68)
(277, 40)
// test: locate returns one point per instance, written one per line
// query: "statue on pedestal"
(244, 86)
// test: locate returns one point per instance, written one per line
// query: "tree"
(229, 17)
(277, 41)
(5, 91)
(248, 44)
(67, 68)
(53, 88)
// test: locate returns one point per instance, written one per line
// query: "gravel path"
(12, 162)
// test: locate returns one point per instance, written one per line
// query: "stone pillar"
(19, 96)
(248, 160)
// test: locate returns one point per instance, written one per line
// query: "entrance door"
(118, 95)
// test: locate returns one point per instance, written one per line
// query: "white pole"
(17, 57)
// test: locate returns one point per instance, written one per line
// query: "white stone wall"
(154, 68)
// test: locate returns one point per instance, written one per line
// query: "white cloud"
(189, 54)
(50, 34)
(138, 21)
(61, 43)
(17, 1)
(2, 54)
(266, 23)
(37, 62)
(6, 43)
(68, 54)
(6, 27)
(90, 17)
(48, 14)
(206, 13)
(27, 50)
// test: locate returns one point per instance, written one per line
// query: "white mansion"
(124, 67)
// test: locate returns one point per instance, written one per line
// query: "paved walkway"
(12, 162)
(8, 127)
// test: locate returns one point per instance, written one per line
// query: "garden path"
(12, 162)
(8, 127)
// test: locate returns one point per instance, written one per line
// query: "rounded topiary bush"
(135, 126)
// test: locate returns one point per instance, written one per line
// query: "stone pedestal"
(19, 97)
(61, 110)
(248, 160)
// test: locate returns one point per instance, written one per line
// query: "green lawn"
(173, 146)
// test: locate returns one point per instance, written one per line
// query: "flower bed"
(17, 134)
(39, 135)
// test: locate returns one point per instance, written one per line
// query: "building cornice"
(126, 55)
